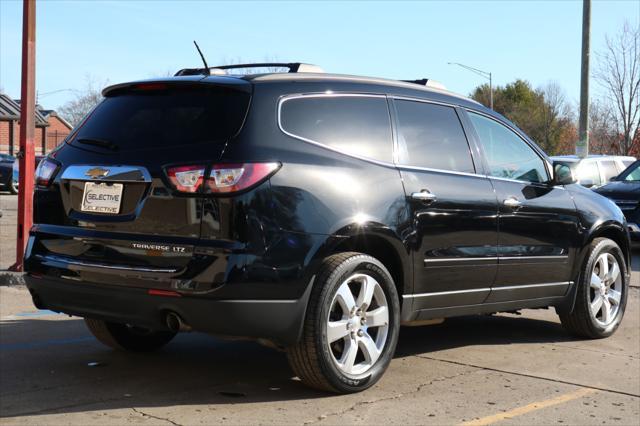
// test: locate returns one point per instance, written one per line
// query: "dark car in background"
(16, 171)
(624, 190)
(316, 213)
(6, 173)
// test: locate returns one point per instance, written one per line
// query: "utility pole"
(485, 74)
(582, 146)
(27, 130)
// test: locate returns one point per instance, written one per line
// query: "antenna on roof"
(206, 67)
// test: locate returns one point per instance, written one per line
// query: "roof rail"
(428, 83)
(293, 67)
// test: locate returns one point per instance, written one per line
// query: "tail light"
(227, 178)
(222, 178)
(45, 172)
(187, 178)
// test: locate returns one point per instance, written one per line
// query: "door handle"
(512, 202)
(424, 196)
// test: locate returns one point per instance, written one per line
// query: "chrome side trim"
(445, 293)
(519, 287)
(460, 259)
(478, 290)
(492, 258)
(116, 173)
(103, 265)
(561, 256)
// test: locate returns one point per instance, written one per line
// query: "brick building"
(51, 129)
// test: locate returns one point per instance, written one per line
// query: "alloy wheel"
(357, 324)
(605, 289)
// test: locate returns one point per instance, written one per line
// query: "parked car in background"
(624, 190)
(316, 213)
(6, 173)
(596, 170)
(16, 171)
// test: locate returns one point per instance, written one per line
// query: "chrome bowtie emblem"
(97, 172)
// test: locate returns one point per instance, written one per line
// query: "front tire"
(128, 338)
(601, 296)
(351, 326)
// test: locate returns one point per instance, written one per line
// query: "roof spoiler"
(428, 83)
(294, 67)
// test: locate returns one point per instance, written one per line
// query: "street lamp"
(484, 74)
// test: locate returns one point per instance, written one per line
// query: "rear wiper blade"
(97, 142)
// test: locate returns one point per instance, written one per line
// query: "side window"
(358, 125)
(507, 154)
(609, 169)
(431, 136)
(589, 172)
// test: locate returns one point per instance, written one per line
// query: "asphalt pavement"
(499, 369)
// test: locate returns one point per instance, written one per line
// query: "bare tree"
(83, 102)
(554, 115)
(603, 130)
(619, 74)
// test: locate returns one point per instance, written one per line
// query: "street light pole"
(486, 74)
(490, 91)
(582, 146)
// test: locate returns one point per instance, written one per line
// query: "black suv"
(314, 212)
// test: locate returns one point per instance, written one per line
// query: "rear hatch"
(115, 203)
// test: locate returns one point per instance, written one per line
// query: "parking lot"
(506, 369)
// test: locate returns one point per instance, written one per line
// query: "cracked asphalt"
(501, 369)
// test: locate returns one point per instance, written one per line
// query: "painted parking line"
(530, 407)
(39, 313)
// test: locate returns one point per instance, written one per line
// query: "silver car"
(596, 170)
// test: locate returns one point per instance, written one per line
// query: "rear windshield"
(152, 119)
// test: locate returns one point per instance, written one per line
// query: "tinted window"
(431, 136)
(589, 172)
(353, 124)
(609, 169)
(170, 117)
(507, 154)
(632, 173)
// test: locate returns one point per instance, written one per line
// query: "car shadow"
(56, 366)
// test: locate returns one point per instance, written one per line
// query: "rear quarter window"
(357, 125)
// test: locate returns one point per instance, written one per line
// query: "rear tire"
(12, 187)
(601, 296)
(127, 338)
(351, 326)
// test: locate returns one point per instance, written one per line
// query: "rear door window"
(589, 173)
(431, 136)
(358, 125)
(152, 119)
(609, 170)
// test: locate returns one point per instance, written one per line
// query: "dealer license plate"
(102, 198)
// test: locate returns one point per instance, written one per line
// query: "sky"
(108, 42)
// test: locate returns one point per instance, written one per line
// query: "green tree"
(541, 113)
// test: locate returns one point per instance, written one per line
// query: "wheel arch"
(379, 242)
(611, 230)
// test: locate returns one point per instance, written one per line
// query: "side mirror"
(613, 179)
(563, 174)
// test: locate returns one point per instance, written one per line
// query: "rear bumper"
(277, 320)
